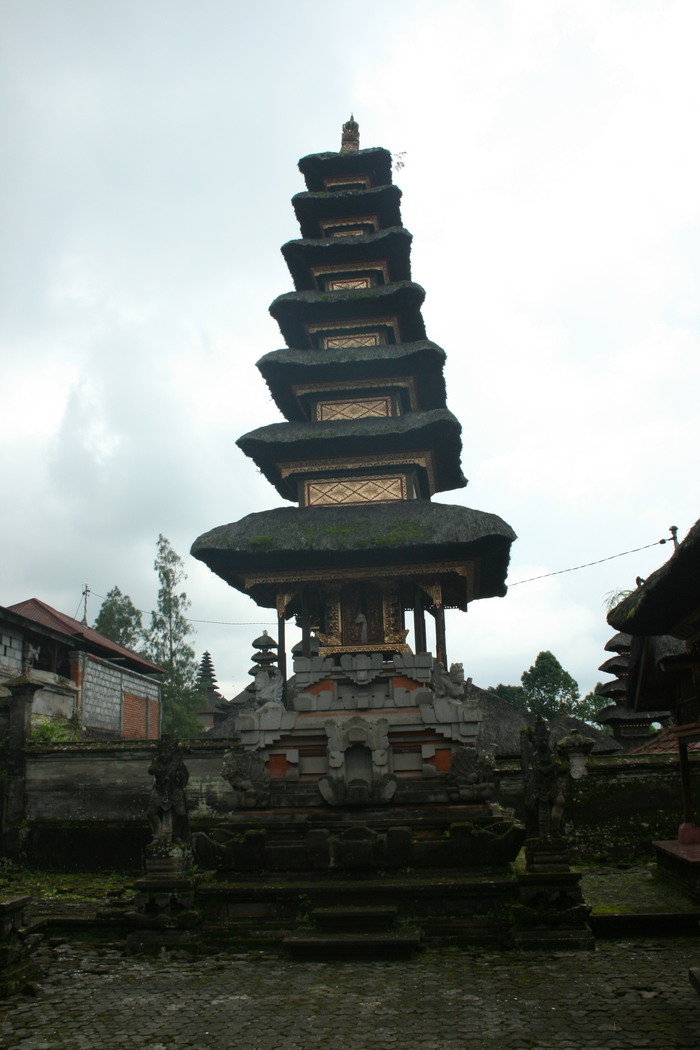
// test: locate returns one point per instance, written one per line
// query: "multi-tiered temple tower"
(368, 439)
(372, 716)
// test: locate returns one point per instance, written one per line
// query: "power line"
(531, 579)
(221, 623)
(587, 564)
(234, 623)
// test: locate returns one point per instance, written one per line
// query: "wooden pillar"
(440, 639)
(305, 625)
(686, 790)
(419, 639)
(282, 654)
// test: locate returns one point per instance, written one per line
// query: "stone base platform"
(680, 865)
(444, 908)
(350, 839)
(352, 933)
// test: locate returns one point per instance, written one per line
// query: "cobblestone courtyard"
(632, 994)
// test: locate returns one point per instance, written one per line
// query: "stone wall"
(85, 803)
(10, 653)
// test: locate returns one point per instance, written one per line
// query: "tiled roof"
(662, 743)
(40, 613)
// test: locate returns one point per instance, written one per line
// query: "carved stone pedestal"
(16, 967)
(547, 854)
(552, 913)
(165, 915)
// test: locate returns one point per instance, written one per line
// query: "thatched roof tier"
(384, 202)
(623, 713)
(617, 665)
(374, 162)
(421, 361)
(667, 602)
(617, 687)
(436, 432)
(415, 533)
(619, 643)
(651, 687)
(392, 246)
(400, 301)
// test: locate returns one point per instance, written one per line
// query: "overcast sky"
(551, 183)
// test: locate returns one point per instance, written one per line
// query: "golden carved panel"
(347, 226)
(330, 650)
(338, 342)
(355, 328)
(397, 459)
(405, 382)
(426, 571)
(338, 181)
(380, 489)
(373, 267)
(340, 284)
(358, 408)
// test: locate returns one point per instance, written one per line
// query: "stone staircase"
(365, 931)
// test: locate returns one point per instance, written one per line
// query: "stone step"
(394, 944)
(364, 918)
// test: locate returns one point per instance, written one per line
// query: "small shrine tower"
(367, 442)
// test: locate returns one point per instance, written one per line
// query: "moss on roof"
(375, 162)
(382, 201)
(293, 311)
(392, 246)
(410, 532)
(667, 598)
(421, 360)
(437, 431)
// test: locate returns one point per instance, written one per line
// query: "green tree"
(590, 704)
(549, 689)
(169, 647)
(120, 620)
(514, 694)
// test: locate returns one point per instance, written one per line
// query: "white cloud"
(551, 186)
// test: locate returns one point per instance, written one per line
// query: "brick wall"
(139, 718)
(119, 702)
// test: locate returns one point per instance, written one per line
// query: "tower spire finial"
(350, 141)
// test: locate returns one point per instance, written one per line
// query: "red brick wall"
(139, 718)
(153, 716)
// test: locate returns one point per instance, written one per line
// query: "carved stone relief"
(358, 763)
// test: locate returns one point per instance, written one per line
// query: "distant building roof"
(37, 612)
(662, 743)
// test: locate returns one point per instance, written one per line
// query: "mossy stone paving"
(625, 994)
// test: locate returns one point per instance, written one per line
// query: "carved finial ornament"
(350, 142)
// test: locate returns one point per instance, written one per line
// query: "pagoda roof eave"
(293, 311)
(392, 245)
(382, 201)
(325, 442)
(375, 162)
(331, 539)
(616, 665)
(421, 360)
(610, 690)
(619, 643)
